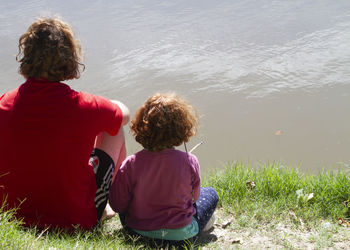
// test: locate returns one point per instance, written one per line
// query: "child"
(157, 190)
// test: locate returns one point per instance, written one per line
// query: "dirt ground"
(227, 234)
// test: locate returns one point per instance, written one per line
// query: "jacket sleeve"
(196, 183)
(120, 191)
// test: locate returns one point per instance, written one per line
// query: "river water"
(270, 79)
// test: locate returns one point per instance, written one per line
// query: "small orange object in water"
(279, 132)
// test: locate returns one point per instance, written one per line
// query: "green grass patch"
(272, 191)
(268, 195)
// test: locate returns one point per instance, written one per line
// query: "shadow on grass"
(206, 238)
(144, 242)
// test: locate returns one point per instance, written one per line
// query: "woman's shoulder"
(88, 97)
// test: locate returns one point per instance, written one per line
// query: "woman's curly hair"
(164, 121)
(49, 50)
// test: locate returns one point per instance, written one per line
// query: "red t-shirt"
(47, 132)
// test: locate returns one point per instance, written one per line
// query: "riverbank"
(271, 206)
(279, 207)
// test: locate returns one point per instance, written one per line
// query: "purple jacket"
(156, 190)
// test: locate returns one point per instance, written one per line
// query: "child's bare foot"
(107, 213)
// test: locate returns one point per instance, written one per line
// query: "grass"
(255, 198)
(268, 192)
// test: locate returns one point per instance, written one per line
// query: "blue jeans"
(205, 206)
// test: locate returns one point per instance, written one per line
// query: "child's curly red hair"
(49, 50)
(164, 121)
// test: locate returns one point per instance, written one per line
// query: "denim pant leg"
(205, 206)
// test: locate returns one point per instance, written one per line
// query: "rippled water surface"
(271, 79)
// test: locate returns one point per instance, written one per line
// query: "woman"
(48, 132)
